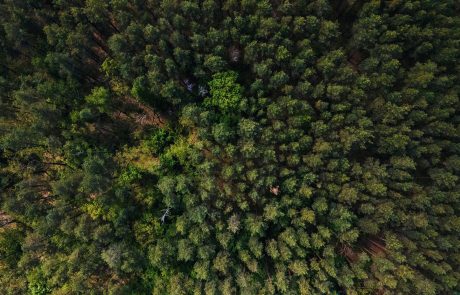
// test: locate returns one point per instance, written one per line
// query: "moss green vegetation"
(225, 93)
(229, 147)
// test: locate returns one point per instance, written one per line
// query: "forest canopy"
(229, 147)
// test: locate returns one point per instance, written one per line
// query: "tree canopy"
(229, 147)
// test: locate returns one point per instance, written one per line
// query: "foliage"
(232, 147)
(225, 92)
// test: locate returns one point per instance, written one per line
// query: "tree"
(293, 147)
(226, 94)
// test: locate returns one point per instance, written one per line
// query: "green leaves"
(97, 175)
(235, 147)
(159, 140)
(10, 246)
(226, 94)
(99, 97)
(121, 258)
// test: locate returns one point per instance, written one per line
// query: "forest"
(254, 147)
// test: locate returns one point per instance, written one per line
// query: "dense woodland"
(229, 147)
